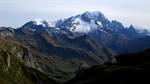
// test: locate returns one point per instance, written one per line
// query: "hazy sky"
(15, 13)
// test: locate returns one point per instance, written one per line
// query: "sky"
(15, 13)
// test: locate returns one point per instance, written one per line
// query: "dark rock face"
(136, 45)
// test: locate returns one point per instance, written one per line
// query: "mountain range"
(110, 34)
(62, 47)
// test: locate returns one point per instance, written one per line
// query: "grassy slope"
(14, 71)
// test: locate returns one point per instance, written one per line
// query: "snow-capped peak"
(83, 23)
(44, 23)
(94, 15)
(78, 25)
(39, 21)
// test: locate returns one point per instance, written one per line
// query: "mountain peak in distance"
(88, 16)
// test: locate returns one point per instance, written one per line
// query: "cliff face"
(18, 66)
(18, 51)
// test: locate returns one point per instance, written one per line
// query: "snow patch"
(32, 30)
(40, 22)
(44, 23)
(93, 13)
(147, 27)
(80, 26)
(99, 23)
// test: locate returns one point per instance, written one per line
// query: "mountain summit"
(85, 23)
(94, 16)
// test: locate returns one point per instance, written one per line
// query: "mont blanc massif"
(82, 49)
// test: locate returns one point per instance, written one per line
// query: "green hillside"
(14, 67)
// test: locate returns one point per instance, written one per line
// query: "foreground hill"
(130, 69)
(18, 66)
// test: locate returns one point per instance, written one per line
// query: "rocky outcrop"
(18, 66)
(19, 51)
